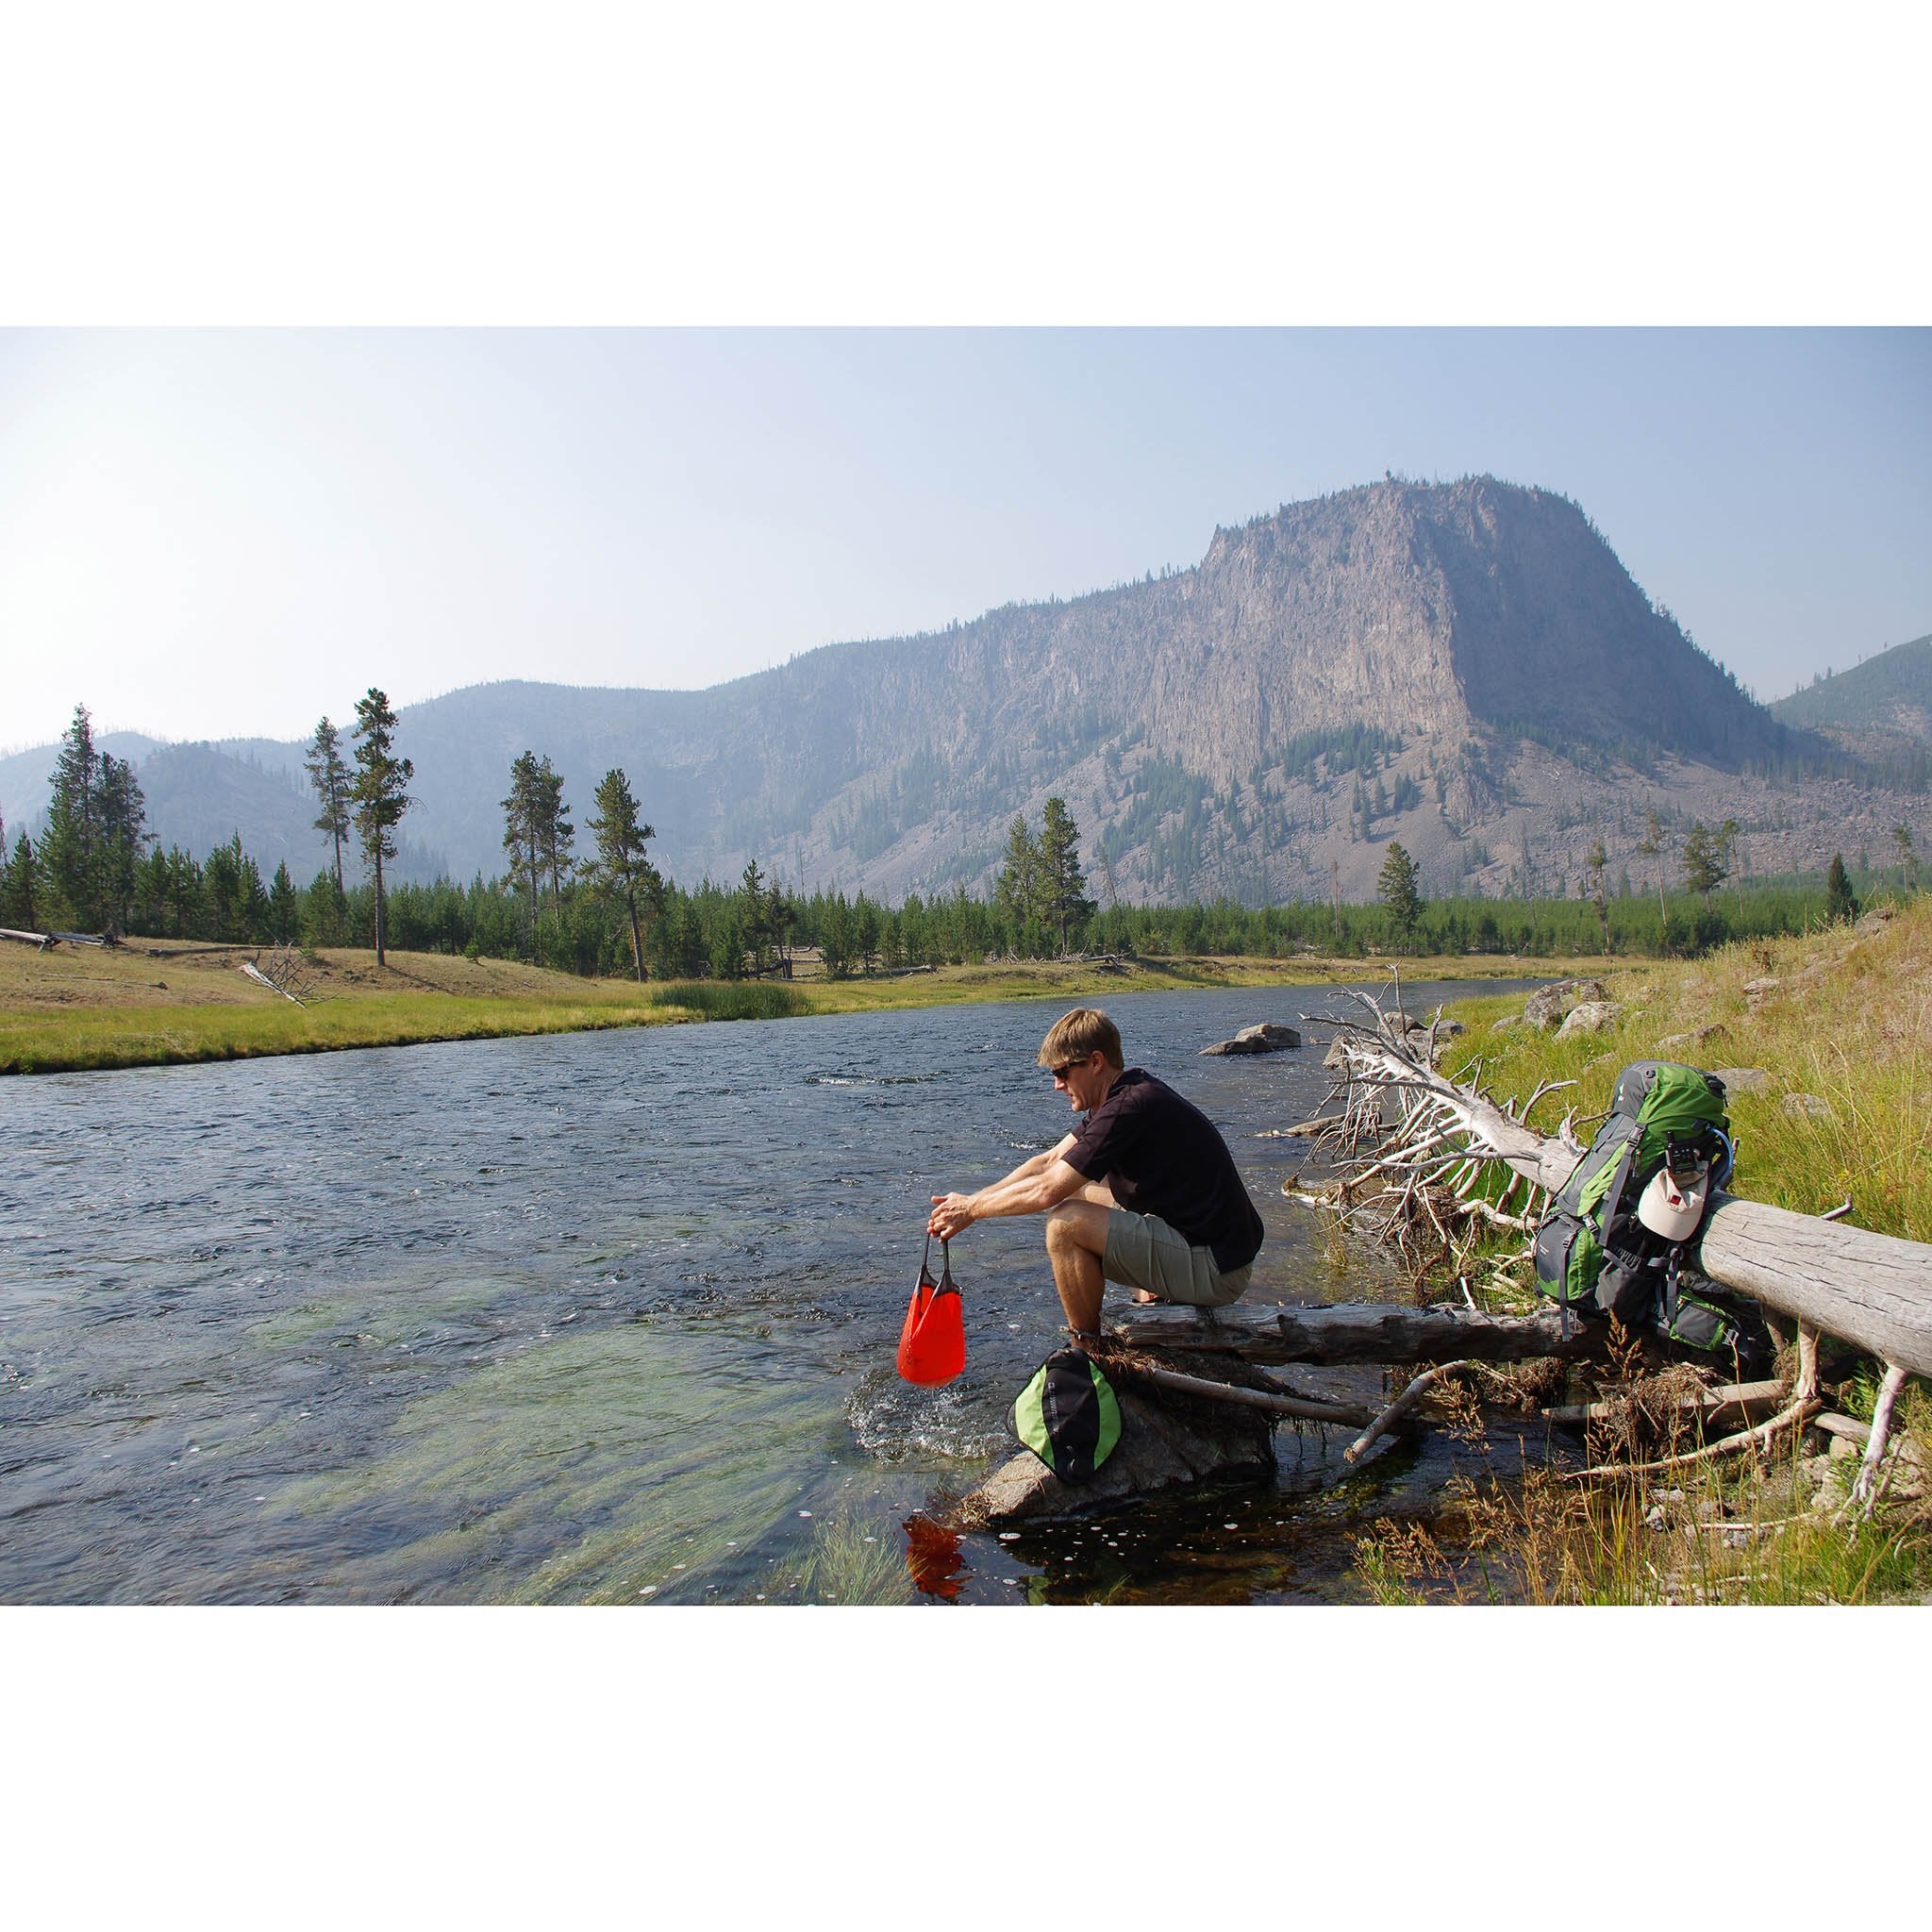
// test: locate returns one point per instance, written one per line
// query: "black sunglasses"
(1066, 1067)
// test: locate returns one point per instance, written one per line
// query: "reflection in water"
(594, 1318)
(933, 1558)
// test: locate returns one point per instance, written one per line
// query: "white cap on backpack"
(1671, 1210)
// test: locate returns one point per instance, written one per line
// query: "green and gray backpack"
(1068, 1416)
(1593, 1252)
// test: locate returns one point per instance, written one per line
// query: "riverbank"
(159, 1002)
(86, 1007)
(1825, 1044)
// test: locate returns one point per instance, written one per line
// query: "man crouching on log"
(1143, 1192)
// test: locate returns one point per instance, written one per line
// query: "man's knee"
(1075, 1225)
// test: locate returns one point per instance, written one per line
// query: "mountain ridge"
(1474, 653)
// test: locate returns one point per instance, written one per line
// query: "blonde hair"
(1078, 1035)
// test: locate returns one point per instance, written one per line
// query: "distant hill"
(1879, 712)
(1465, 667)
(1891, 691)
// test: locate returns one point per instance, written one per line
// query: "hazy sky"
(224, 533)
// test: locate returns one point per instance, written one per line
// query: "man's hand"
(950, 1215)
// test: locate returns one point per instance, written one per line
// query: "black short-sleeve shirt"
(1161, 1155)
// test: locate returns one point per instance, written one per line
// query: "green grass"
(87, 1038)
(1850, 1023)
(731, 999)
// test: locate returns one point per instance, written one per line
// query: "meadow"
(158, 1002)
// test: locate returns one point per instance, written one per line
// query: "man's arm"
(1036, 1184)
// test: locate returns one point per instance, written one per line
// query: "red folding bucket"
(932, 1343)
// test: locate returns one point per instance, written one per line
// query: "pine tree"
(1654, 845)
(330, 777)
(522, 812)
(1396, 888)
(1704, 868)
(1840, 906)
(555, 836)
(68, 844)
(18, 904)
(782, 913)
(865, 931)
(1595, 864)
(835, 937)
(222, 894)
(282, 906)
(325, 912)
(123, 838)
(621, 869)
(380, 792)
(1062, 892)
(727, 944)
(754, 918)
(1016, 892)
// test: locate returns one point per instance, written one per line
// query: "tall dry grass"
(1843, 1041)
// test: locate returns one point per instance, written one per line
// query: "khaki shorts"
(1143, 1251)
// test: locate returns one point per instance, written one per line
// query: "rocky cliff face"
(1467, 668)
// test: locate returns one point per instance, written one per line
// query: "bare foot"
(1142, 1298)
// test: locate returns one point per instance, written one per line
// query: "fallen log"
(1354, 1332)
(261, 978)
(1872, 1290)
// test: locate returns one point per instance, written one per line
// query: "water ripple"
(521, 1320)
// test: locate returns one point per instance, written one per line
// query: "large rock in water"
(1163, 1444)
(1265, 1038)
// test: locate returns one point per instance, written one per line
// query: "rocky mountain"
(1465, 667)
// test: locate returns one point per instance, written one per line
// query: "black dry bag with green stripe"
(1067, 1415)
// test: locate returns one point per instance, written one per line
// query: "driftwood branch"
(1761, 1436)
(1298, 1407)
(1396, 1409)
(1864, 1491)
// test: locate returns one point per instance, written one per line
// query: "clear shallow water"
(595, 1318)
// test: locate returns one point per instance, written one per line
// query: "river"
(600, 1317)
